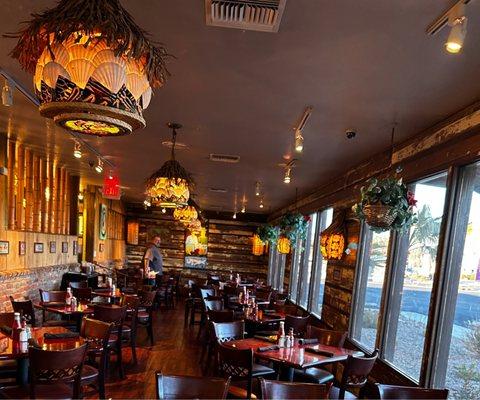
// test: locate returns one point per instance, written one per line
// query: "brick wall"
(27, 282)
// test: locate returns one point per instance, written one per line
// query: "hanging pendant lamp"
(185, 214)
(169, 187)
(93, 67)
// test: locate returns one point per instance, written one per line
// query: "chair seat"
(313, 375)
(89, 373)
(57, 391)
(143, 317)
(260, 370)
(235, 392)
(335, 391)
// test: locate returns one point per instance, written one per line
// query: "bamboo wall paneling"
(20, 188)
(66, 207)
(12, 156)
(43, 197)
(28, 190)
(61, 201)
(74, 187)
(3, 186)
(37, 181)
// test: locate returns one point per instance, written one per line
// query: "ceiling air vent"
(225, 158)
(254, 15)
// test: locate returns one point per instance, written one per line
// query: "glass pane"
(463, 365)
(369, 286)
(413, 274)
(321, 266)
(307, 262)
(294, 272)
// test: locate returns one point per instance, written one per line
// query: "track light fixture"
(146, 203)
(234, 215)
(298, 142)
(77, 151)
(299, 128)
(287, 177)
(257, 188)
(244, 209)
(7, 94)
(164, 210)
(456, 19)
(261, 203)
(99, 166)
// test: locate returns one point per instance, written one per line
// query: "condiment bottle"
(22, 337)
(73, 303)
(16, 327)
(291, 338)
(68, 299)
(281, 334)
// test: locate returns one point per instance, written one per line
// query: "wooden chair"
(273, 390)
(208, 304)
(299, 324)
(53, 375)
(217, 317)
(116, 315)
(226, 331)
(97, 334)
(8, 368)
(193, 304)
(145, 313)
(165, 291)
(354, 376)
(82, 294)
(238, 365)
(171, 387)
(393, 392)
(287, 309)
(129, 328)
(25, 308)
(326, 337)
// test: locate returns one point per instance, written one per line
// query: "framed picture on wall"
(4, 247)
(38, 247)
(53, 247)
(101, 247)
(22, 248)
(64, 247)
(75, 247)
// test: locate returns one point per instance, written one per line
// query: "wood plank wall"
(229, 244)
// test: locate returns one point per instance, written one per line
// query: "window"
(458, 359)
(320, 269)
(308, 256)
(370, 279)
(414, 263)
(295, 271)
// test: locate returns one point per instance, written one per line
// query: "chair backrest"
(216, 305)
(394, 392)
(53, 367)
(147, 298)
(299, 324)
(52, 296)
(82, 294)
(25, 308)
(96, 333)
(288, 309)
(229, 290)
(326, 337)
(272, 390)
(6, 319)
(235, 363)
(221, 316)
(190, 387)
(226, 331)
(110, 313)
(79, 285)
(356, 371)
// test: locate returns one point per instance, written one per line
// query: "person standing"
(152, 260)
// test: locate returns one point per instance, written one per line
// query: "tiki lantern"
(195, 226)
(93, 67)
(283, 245)
(332, 239)
(185, 214)
(169, 187)
(258, 246)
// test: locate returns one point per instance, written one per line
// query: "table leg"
(22, 371)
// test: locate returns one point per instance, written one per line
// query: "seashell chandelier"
(169, 187)
(185, 214)
(93, 67)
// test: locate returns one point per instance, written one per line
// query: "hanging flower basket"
(379, 215)
(386, 204)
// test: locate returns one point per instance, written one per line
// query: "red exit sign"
(111, 187)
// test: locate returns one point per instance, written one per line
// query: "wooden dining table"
(77, 313)
(14, 350)
(296, 357)
(112, 296)
(263, 322)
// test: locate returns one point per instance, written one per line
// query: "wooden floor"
(176, 351)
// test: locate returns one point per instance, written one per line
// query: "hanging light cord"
(174, 140)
